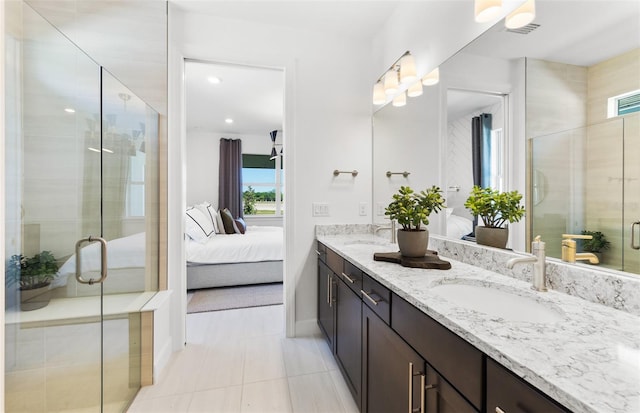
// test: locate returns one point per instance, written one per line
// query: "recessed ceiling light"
(214, 80)
(70, 110)
(228, 120)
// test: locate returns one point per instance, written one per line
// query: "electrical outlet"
(362, 209)
(320, 209)
(380, 209)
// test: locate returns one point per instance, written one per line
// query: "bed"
(254, 257)
(457, 226)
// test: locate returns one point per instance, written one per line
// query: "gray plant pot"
(413, 243)
(492, 237)
(35, 298)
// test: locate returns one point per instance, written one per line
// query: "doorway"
(244, 106)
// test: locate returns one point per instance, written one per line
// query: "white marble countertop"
(589, 360)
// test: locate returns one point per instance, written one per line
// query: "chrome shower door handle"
(103, 260)
(633, 236)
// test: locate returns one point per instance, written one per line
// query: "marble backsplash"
(614, 289)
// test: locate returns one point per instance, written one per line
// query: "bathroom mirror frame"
(519, 163)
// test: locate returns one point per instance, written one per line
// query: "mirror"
(505, 64)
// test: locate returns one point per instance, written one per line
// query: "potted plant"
(496, 209)
(33, 275)
(411, 210)
(597, 244)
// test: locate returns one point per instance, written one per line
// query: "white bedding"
(457, 226)
(258, 243)
(126, 252)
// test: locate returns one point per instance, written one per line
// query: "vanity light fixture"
(400, 100)
(432, 77)
(415, 89)
(403, 70)
(521, 16)
(214, 80)
(391, 81)
(486, 10)
(379, 97)
(228, 120)
(407, 68)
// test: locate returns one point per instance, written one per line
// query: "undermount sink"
(496, 302)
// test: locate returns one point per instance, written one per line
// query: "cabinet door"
(348, 340)
(392, 371)
(442, 397)
(510, 394)
(326, 319)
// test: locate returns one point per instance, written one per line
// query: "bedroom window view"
(262, 185)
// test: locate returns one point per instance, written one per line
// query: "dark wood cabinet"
(348, 338)
(391, 370)
(326, 315)
(396, 358)
(508, 393)
(454, 358)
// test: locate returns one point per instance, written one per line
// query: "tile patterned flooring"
(241, 361)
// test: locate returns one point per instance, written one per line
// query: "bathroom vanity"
(468, 339)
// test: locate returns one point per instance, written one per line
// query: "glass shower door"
(631, 224)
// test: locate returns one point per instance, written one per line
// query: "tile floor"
(240, 361)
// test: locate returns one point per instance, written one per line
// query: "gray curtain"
(230, 176)
(481, 153)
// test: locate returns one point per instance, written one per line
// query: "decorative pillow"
(197, 226)
(239, 225)
(227, 221)
(210, 212)
(220, 224)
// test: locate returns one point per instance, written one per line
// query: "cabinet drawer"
(377, 297)
(321, 250)
(455, 359)
(352, 276)
(509, 393)
(334, 261)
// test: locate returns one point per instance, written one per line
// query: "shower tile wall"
(459, 160)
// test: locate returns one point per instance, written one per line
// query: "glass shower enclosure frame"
(81, 177)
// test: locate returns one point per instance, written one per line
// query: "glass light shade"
(391, 82)
(379, 97)
(414, 90)
(407, 69)
(432, 78)
(521, 16)
(400, 100)
(485, 10)
(274, 153)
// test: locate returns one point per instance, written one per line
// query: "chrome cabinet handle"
(368, 297)
(499, 410)
(318, 252)
(633, 236)
(329, 289)
(423, 387)
(351, 280)
(103, 259)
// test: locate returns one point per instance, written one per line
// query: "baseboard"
(161, 361)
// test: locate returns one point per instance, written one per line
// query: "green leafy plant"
(250, 198)
(412, 209)
(598, 243)
(34, 272)
(494, 207)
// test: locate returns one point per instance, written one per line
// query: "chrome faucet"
(539, 280)
(569, 253)
(391, 227)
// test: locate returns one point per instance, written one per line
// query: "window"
(623, 104)
(262, 185)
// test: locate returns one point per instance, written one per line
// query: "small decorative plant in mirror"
(597, 244)
(411, 210)
(495, 208)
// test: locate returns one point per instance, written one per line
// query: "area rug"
(226, 298)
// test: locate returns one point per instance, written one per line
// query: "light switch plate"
(380, 209)
(320, 209)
